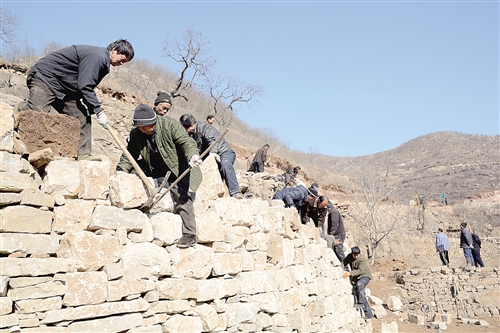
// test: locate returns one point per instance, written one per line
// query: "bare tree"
(8, 24)
(373, 208)
(225, 93)
(191, 52)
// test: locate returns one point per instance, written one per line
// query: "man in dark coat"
(361, 275)
(466, 243)
(476, 251)
(335, 228)
(292, 196)
(260, 158)
(316, 208)
(65, 78)
(205, 134)
(165, 146)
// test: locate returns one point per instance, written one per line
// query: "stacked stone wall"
(78, 256)
(459, 292)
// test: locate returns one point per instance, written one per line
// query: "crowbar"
(145, 208)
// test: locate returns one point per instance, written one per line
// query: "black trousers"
(183, 205)
(443, 255)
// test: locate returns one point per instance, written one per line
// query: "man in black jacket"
(476, 251)
(65, 78)
(205, 134)
(336, 229)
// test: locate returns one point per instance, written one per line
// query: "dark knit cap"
(313, 190)
(162, 97)
(440, 229)
(144, 115)
(463, 224)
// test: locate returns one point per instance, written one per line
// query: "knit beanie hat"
(463, 224)
(162, 97)
(144, 115)
(313, 190)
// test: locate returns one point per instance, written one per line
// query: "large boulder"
(40, 130)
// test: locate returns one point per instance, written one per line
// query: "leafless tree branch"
(191, 52)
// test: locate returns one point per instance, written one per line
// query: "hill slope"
(460, 165)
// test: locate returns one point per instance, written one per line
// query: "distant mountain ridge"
(459, 165)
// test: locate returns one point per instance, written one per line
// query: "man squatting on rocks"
(291, 175)
(443, 246)
(466, 243)
(63, 78)
(205, 134)
(163, 103)
(361, 275)
(164, 145)
(260, 158)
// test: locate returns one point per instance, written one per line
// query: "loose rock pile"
(439, 294)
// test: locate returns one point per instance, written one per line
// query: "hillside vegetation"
(458, 165)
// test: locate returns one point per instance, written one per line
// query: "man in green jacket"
(361, 275)
(165, 146)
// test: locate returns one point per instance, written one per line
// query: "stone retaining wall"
(78, 256)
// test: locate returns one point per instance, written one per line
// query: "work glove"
(216, 156)
(102, 119)
(195, 161)
(346, 274)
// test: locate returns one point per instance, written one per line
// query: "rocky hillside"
(459, 165)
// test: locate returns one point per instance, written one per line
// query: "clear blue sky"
(342, 78)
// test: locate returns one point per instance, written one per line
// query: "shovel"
(150, 203)
(150, 188)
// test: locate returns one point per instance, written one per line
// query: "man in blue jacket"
(65, 78)
(292, 196)
(443, 246)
